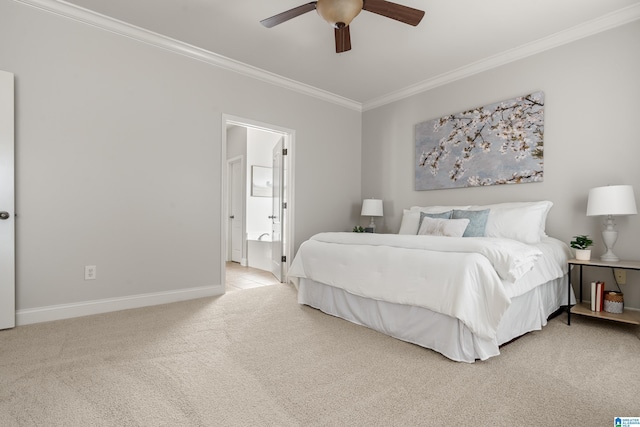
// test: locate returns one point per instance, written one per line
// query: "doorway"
(257, 196)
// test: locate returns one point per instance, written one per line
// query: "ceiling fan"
(340, 13)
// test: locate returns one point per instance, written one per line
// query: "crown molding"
(606, 22)
(89, 17)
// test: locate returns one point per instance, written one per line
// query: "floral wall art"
(501, 143)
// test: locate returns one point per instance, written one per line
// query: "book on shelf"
(598, 297)
(593, 296)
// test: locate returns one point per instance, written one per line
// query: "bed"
(460, 280)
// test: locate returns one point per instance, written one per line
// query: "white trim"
(89, 17)
(606, 22)
(254, 124)
(224, 202)
(86, 16)
(87, 308)
(289, 141)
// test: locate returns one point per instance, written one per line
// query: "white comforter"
(471, 279)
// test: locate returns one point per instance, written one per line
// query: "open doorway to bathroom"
(258, 202)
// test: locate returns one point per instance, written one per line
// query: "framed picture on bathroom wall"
(261, 181)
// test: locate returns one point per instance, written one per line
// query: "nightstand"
(584, 309)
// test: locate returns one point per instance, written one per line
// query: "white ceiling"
(388, 58)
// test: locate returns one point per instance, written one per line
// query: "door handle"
(4, 215)
(232, 216)
(272, 217)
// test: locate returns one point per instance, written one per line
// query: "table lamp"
(611, 200)
(372, 208)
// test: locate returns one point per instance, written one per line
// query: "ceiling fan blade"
(401, 13)
(343, 39)
(289, 14)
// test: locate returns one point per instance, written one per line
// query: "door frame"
(288, 186)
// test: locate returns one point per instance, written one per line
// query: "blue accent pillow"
(442, 215)
(477, 221)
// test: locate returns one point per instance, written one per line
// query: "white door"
(236, 196)
(7, 187)
(278, 211)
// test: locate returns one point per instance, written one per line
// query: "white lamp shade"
(611, 200)
(371, 207)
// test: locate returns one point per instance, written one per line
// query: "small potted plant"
(581, 244)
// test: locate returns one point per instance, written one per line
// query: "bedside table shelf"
(628, 316)
(584, 309)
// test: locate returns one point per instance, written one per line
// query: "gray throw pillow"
(477, 221)
(442, 215)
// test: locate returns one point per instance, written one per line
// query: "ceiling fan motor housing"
(339, 13)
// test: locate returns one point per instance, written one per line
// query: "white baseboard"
(86, 308)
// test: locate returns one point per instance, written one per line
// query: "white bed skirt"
(439, 332)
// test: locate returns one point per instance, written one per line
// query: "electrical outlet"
(621, 276)
(89, 272)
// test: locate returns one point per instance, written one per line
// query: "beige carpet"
(257, 358)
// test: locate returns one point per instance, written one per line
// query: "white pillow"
(410, 221)
(438, 209)
(522, 221)
(411, 217)
(443, 227)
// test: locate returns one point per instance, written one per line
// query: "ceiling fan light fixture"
(339, 13)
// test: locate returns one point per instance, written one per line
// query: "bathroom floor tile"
(239, 277)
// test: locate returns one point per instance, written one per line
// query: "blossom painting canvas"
(501, 143)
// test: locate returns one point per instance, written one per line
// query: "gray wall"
(592, 90)
(236, 142)
(118, 160)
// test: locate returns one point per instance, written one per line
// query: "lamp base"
(372, 226)
(609, 236)
(609, 256)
